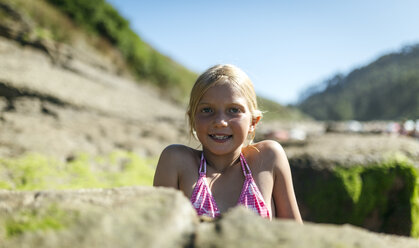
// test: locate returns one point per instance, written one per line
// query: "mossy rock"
(31, 220)
(381, 197)
(39, 172)
(118, 217)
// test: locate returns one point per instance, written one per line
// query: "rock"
(364, 180)
(241, 228)
(122, 217)
(158, 217)
(61, 111)
(61, 100)
(3, 103)
(355, 149)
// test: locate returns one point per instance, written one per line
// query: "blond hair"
(223, 74)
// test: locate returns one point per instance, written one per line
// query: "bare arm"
(283, 191)
(167, 171)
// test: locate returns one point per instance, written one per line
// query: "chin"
(221, 151)
(220, 148)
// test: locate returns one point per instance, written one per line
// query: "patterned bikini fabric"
(250, 197)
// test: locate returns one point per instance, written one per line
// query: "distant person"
(229, 170)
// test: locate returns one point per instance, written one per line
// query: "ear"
(253, 124)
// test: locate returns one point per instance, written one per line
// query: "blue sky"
(284, 46)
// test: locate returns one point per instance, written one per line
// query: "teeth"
(220, 136)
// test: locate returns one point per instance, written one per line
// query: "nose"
(220, 120)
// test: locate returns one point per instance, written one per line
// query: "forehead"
(223, 93)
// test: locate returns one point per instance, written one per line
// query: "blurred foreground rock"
(124, 217)
(157, 217)
(240, 228)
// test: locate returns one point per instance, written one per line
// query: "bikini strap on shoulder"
(204, 164)
(245, 165)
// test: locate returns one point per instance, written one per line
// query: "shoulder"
(269, 145)
(177, 150)
(173, 162)
(177, 154)
(270, 149)
(272, 154)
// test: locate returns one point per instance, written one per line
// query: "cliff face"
(62, 101)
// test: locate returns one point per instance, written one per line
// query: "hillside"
(386, 89)
(273, 111)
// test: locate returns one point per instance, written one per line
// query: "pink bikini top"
(250, 197)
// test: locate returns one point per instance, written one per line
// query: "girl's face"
(223, 120)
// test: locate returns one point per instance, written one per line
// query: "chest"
(227, 187)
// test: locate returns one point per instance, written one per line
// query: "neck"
(221, 162)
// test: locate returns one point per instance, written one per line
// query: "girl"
(229, 170)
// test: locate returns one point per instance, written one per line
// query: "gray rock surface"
(329, 150)
(240, 228)
(123, 217)
(61, 109)
(158, 217)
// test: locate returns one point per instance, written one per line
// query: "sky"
(284, 46)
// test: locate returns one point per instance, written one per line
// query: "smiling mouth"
(220, 137)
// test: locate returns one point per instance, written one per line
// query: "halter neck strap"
(204, 163)
(244, 165)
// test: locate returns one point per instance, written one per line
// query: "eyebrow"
(232, 103)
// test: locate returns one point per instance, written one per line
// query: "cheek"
(200, 123)
(242, 123)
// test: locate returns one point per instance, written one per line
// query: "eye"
(206, 110)
(234, 110)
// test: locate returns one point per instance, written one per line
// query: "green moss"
(37, 172)
(326, 197)
(23, 173)
(414, 202)
(351, 180)
(43, 34)
(377, 181)
(383, 197)
(52, 218)
(130, 173)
